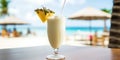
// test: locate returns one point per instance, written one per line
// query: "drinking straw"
(44, 3)
(63, 7)
(43, 6)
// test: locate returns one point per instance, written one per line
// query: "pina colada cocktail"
(55, 30)
(56, 35)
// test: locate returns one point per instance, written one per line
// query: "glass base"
(55, 57)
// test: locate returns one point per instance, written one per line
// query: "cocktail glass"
(56, 35)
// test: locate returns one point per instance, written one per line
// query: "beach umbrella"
(12, 20)
(89, 14)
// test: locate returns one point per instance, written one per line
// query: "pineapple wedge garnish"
(44, 14)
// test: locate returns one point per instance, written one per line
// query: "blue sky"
(24, 9)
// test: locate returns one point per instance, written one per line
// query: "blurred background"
(18, 17)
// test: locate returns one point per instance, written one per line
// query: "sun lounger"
(100, 40)
(4, 33)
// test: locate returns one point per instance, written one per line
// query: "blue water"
(43, 30)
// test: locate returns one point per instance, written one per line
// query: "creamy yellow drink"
(56, 31)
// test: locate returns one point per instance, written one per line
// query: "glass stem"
(55, 51)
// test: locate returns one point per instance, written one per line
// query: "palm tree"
(4, 7)
(115, 26)
(107, 10)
